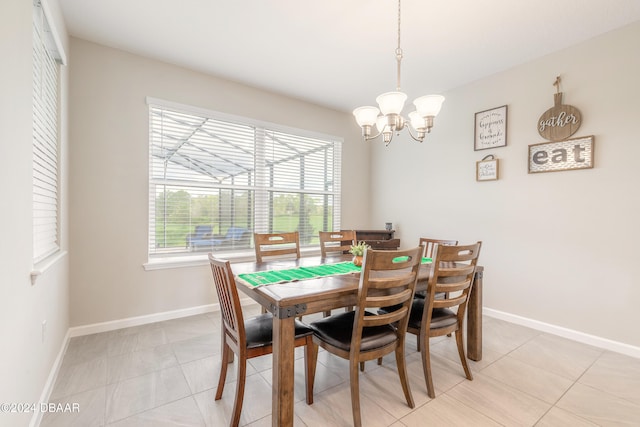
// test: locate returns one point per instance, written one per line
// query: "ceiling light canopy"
(388, 117)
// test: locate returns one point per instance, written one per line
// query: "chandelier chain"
(398, 52)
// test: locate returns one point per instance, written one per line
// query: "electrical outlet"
(44, 329)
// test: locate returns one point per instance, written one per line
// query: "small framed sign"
(487, 169)
(491, 128)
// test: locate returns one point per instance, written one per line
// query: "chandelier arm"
(413, 136)
(370, 137)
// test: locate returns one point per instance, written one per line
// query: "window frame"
(179, 258)
(48, 58)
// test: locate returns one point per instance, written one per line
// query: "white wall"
(109, 176)
(558, 247)
(25, 360)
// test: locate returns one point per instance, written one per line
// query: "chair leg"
(402, 372)
(237, 404)
(326, 313)
(355, 393)
(310, 363)
(463, 357)
(223, 370)
(446, 296)
(426, 366)
(361, 366)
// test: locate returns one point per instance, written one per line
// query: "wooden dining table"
(288, 300)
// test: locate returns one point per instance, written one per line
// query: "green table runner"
(299, 273)
(271, 277)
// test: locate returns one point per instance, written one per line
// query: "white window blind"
(214, 180)
(45, 139)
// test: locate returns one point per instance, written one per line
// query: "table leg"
(474, 319)
(283, 374)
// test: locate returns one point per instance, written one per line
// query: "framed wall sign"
(487, 169)
(576, 153)
(491, 128)
(560, 121)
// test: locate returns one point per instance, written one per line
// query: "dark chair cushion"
(337, 331)
(259, 330)
(440, 318)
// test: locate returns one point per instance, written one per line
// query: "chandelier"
(391, 105)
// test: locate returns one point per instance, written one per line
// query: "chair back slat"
(276, 244)
(452, 286)
(449, 302)
(228, 299)
(452, 270)
(336, 242)
(385, 319)
(462, 253)
(390, 282)
(383, 300)
(390, 261)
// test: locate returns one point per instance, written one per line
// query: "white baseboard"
(36, 419)
(128, 322)
(571, 334)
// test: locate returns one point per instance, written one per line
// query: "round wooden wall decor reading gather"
(560, 121)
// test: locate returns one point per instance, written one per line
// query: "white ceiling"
(340, 53)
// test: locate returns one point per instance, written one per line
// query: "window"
(215, 179)
(45, 137)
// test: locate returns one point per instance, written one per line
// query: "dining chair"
(269, 245)
(276, 244)
(251, 337)
(452, 272)
(336, 242)
(388, 278)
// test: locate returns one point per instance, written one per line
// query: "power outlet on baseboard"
(44, 329)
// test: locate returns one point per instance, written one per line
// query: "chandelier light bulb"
(391, 102)
(417, 121)
(429, 105)
(366, 116)
(381, 122)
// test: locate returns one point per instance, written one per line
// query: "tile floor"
(164, 374)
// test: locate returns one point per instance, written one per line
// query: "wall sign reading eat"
(571, 154)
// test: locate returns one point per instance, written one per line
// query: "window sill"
(203, 259)
(42, 266)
